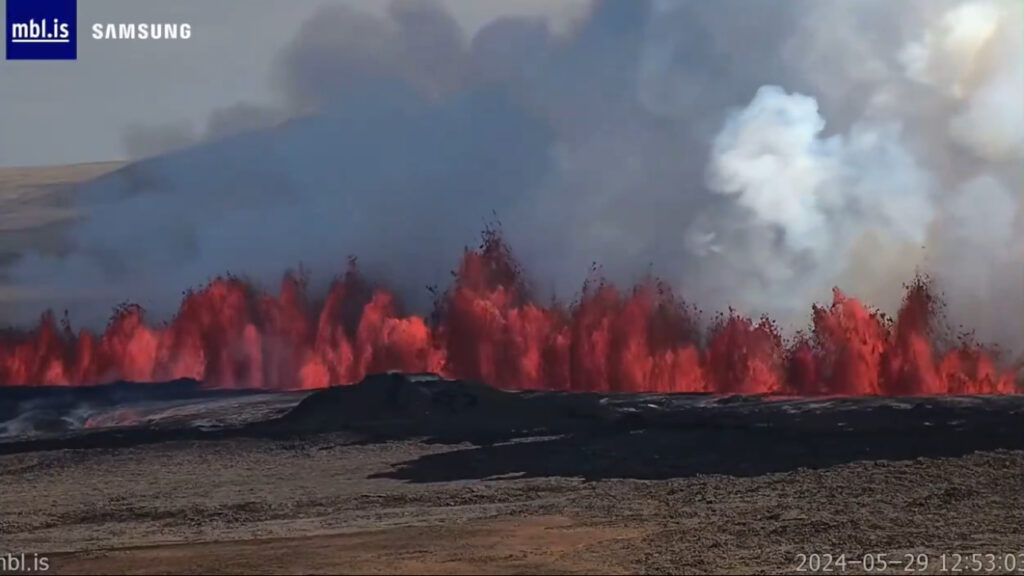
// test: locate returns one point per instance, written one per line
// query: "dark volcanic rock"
(40, 411)
(540, 433)
(56, 409)
(425, 404)
(15, 399)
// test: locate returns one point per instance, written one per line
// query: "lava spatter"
(488, 326)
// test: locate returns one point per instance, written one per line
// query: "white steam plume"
(808, 199)
(968, 55)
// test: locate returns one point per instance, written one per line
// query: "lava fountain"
(487, 326)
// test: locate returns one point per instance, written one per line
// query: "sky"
(60, 112)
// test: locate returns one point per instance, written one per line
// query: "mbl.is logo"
(41, 30)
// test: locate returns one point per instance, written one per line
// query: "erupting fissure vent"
(487, 327)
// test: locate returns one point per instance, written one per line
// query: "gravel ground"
(328, 503)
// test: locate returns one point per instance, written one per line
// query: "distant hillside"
(35, 208)
(27, 198)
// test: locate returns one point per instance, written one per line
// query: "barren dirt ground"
(326, 505)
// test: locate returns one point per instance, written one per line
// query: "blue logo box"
(41, 30)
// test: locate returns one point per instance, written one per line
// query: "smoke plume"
(749, 165)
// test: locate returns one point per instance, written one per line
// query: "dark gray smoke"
(754, 154)
(145, 141)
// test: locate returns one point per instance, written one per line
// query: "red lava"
(486, 326)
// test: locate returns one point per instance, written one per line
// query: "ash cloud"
(752, 154)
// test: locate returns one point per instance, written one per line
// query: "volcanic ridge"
(541, 433)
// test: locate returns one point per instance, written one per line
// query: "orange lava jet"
(487, 327)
